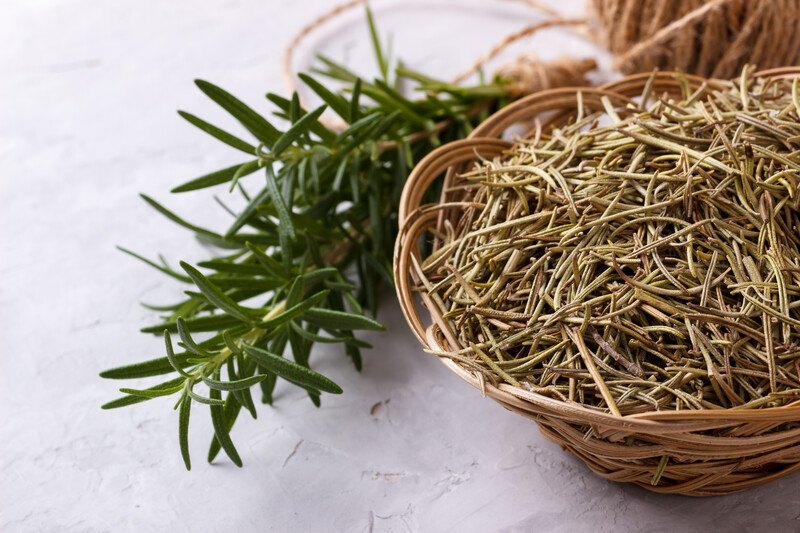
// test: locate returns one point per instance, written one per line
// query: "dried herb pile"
(636, 259)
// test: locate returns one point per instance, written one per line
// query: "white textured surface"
(87, 97)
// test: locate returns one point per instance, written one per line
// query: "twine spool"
(711, 38)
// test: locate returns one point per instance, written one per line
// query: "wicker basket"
(706, 452)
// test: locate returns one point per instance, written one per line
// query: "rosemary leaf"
(291, 371)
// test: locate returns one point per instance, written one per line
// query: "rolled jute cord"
(710, 38)
(525, 75)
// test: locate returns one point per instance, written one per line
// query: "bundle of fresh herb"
(306, 256)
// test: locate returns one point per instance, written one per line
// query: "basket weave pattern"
(696, 452)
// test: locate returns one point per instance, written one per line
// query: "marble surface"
(88, 92)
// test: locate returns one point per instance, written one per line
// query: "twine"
(714, 38)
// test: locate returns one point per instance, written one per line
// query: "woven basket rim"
(415, 219)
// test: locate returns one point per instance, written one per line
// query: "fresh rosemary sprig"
(307, 254)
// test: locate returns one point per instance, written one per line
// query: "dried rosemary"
(635, 259)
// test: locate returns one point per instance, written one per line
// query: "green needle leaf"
(202, 399)
(301, 127)
(230, 412)
(239, 384)
(267, 387)
(152, 393)
(216, 296)
(165, 270)
(325, 135)
(196, 324)
(178, 220)
(337, 103)
(249, 211)
(232, 268)
(145, 369)
(295, 292)
(291, 371)
(391, 99)
(294, 311)
(170, 387)
(222, 430)
(252, 121)
(383, 63)
(329, 319)
(313, 337)
(286, 228)
(335, 70)
(355, 110)
(361, 127)
(183, 430)
(171, 354)
(273, 268)
(187, 340)
(218, 177)
(244, 170)
(245, 368)
(319, 274)
(216, 132)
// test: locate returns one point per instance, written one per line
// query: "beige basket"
(706, 452)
